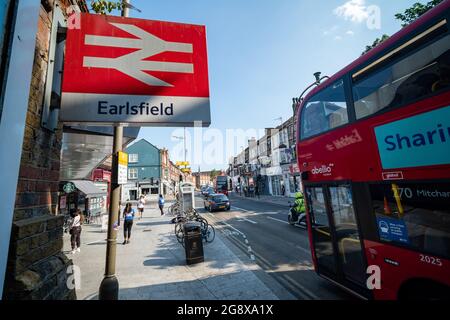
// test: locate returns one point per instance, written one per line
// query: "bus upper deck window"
(324, 111)
(410, 79)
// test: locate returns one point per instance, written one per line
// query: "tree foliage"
(377, 41)
(417, 10)
(213, 174)
(105, 7)
(407, 17)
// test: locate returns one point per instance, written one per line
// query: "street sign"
(134, 71)
(182, 163)
(123, 168)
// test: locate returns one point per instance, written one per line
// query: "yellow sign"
(186, 170)
(182, 164)
(123, 158)
(122, 175)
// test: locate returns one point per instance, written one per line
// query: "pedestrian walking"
(257, 191)
(128, 217)
(141, 205)
(161, 202)
(75, 231)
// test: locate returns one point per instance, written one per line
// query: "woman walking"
(161, 202)
(75, 231)
(141, 205)
(128, 216)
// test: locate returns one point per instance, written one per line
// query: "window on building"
(325, 111)
(414, 77)
(133, 158)
(132, 173)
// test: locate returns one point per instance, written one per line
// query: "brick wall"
(37, 268)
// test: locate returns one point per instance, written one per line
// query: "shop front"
(83, 195)
(295, 181)
(102, 180)
(275, 175)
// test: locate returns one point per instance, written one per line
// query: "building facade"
(144, 171)
(269, 163)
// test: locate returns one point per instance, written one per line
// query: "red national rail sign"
(134, 71)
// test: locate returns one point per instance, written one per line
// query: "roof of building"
(88, 188)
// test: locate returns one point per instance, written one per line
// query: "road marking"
(245, 219)
(230, 226)
(278, 220)
(240, 209)
(270, 213)
(304, 250)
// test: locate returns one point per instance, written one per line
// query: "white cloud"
(353, 10)
(350, 33)
(338, 38)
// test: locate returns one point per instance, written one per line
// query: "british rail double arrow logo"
(133, 64)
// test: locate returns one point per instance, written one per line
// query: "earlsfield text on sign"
(135, 109)
(143, 109)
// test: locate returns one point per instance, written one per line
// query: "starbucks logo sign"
(69, 187)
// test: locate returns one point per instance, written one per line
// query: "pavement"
(153, 266)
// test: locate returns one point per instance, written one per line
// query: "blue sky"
(261, 53)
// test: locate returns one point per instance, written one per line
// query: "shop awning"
(88, 188)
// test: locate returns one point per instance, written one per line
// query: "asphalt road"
(261, 231)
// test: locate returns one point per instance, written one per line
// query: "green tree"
(105, 7)
(377, 41)
(407, 17)
(417, 10)
(213, 174)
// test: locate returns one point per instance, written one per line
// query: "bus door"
(336, 240)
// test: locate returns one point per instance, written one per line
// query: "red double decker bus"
(374, 151)
(221, 185)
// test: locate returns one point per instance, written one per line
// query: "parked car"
(215, 202)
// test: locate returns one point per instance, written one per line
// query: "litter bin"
(193, 243)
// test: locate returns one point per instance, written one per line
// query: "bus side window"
(324, 111)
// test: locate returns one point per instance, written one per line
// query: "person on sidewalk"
(161, 202)
(141, 205)
(128, 217)
(257, 191)
(75, 231)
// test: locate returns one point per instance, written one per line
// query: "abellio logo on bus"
(324, 170)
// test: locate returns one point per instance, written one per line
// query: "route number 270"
(431, 260)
